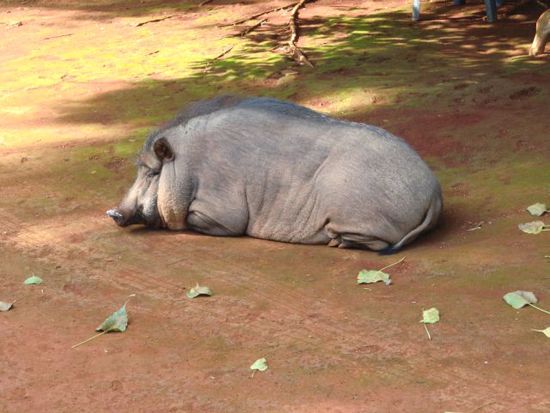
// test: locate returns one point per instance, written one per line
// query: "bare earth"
(81, 85)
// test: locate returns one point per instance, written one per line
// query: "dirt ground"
(83, 82)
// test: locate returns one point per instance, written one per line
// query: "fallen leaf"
(430, 316)
(373, 276)
(5, 306)
(198, 290)
(33, 280)
(533, 227)
(260, 365)
(537, 209)
(546, 331)
(519, 299)
(118, 321)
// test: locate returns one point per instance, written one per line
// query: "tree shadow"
(109, 9)
(376, 52)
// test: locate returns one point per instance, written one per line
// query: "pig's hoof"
(345, 244)
(334, 242)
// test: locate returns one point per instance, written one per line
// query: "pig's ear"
(163, 150)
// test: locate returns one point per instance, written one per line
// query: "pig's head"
(141, 205)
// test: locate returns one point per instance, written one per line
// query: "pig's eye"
(152, 173)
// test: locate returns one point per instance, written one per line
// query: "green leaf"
(373, 276)
(519, 299)
(198, 290)
(260, 365)
(118, 321)
(533, 227)
(5, 306)
(537, 209)
(546, 331)
(430, 316)
(33, 280)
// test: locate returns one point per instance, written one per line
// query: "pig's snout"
(124, 218)
(117, 216)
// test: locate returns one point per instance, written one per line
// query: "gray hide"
(278, 171)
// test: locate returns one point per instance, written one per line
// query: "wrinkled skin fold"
(274, 170)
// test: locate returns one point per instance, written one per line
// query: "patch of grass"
(127, 149)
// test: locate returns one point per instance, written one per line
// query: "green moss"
(127, 149)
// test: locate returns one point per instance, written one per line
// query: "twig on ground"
(481, 407)
(222, 54)
(251, 28)
(155, 20)
(476, 226)
(177, 261)
(255, 16)
(296, 52)
(293, 48)
(206, 69)
(59, 35)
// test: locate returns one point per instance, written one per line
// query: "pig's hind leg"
(353, 240)
(202, 223)
(362, 242)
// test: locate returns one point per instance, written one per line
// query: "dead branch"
(293, 48)
(208, 64)
(251, 28)
(293, 23)
(155, 20)
(222, 54)
(255, 16)
(59, 35)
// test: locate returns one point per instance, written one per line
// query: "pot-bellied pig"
(275, 170)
